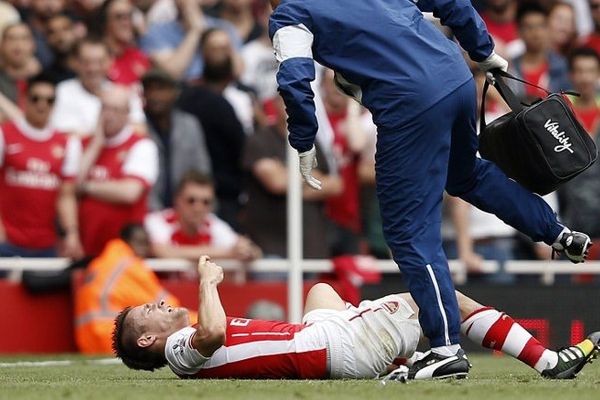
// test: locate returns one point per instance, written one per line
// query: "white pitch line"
(56, 363)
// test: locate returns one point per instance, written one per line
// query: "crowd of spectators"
(165, 113)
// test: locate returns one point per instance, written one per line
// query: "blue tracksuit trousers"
(414, 164)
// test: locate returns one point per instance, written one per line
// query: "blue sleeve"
(289, 29)
(162, 36)
(466, 24)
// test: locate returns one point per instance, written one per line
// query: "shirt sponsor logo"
(553, 128)
(31, 179)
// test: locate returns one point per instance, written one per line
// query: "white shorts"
(362, 341)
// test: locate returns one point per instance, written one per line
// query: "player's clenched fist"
(209, 271)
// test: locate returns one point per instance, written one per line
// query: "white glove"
(494, 61)
(308, 161)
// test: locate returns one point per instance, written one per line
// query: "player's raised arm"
(210, 334)
(289, 30)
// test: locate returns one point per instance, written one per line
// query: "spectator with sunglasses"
(37, 169)
(190, 229)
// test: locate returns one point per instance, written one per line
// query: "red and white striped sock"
(496, 330)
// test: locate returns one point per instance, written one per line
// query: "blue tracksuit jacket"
(385, 54)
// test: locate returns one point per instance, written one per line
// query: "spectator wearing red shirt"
(499, 17)
(584, 68)
(119, 166)
(191, 229)
(37, 167)
(539, 64)
(17, 61)
(348, 142)
(593, 40)
(115, 18)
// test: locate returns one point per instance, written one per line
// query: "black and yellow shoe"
(573, 358)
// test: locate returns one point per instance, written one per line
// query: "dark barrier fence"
(557, 315)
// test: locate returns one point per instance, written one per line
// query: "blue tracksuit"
(422, 97)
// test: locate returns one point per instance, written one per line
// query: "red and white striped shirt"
(253, 349)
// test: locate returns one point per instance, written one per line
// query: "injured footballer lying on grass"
(335, 339)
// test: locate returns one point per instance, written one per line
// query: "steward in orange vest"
(117, 278)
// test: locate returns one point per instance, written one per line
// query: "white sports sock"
(446, 351)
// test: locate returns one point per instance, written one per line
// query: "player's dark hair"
(125, 347)
(195, 177)
(582, 52)
(529, 7)
(42, 77)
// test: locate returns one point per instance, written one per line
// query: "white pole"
(294, 236)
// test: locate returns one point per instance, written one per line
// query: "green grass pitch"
(491, 378)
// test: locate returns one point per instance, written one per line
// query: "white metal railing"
(546, 269)
(18, 264)
(549, 269)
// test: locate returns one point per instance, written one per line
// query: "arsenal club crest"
(390, 306)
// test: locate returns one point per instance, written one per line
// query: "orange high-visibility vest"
(116, 279)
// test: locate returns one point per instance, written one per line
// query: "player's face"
(194, 203)
(158, 318)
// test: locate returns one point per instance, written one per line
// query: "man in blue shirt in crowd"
(422, 96)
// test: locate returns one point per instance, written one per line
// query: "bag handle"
(505, 92)
(508, 95)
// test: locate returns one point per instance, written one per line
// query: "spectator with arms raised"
(173, 45)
